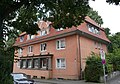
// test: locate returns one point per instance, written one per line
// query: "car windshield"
(19, 76)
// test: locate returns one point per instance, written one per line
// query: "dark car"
(21, 78)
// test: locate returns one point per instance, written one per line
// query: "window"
(60, 44)
(93, 29)
(44, 62)
(20, 52)
(43, 46)
(43, 33)
(36, 63)
(18, 64)
(29, 36)
(23, 63)
(30, 49)
(99, 45)
(59, 29)
(29, 63)
(60, 63)
(21, 38)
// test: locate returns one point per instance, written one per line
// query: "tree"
(107, 32)
(93, 68)
(23, 14)
(115, 42)
(94, 15)
(113, 1)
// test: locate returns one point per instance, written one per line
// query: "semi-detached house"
(58, 53)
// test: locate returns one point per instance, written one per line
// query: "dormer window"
(21, 38)
(93, 29)
(29, 36)
(59, 29)
(43, 33)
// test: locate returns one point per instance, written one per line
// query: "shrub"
(93, 69)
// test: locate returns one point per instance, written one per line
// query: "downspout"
(79, 57)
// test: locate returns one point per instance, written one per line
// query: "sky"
(109, 13)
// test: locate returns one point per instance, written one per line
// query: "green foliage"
(117, 2)
(6, 62)
(94, 15)
(107, 32)
(93, 69)
(113, 59)
(115, 41)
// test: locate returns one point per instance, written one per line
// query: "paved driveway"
(43, 81)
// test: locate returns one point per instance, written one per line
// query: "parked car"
(21, 78)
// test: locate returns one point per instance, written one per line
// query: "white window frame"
(43, 63)
(29, 61)
(99, 45)
(43, 32)
(21, 38)
(23, 66)
(20, 51)
(18, 64)
(59, 44)
(37, 64)
(59, 29)
(30, 49)
(42, 47)
(60, 66)
(93, 29)
(29, 37)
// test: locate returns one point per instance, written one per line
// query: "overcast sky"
(109, 13)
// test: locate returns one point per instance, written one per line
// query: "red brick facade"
(59, 54)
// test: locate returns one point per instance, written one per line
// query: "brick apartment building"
(58, 53)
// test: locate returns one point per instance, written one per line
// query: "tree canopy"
(23, 14)
(95, 16)
(63, 13)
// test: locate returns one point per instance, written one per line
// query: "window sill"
(61, 49)
(61, 68)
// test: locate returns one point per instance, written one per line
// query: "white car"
(21, 78)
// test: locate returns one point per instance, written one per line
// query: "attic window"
(43, 33)
(93, 29)
(21, 38)
(59, 29)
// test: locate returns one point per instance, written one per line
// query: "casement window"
(44, 62)
(20, 52)
(60, 44)
(98, 45)
(36, 63)
(43, 32)
(23, 63)
(21, 38)
(59, 29)
(93, 29)
(60, 63)
(29, 63)
(18, 64)
(30, 49)
(43, 47)
(29, 36)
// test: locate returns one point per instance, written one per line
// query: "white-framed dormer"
(60, 44)
(60, 29)
(93, 29)
(43, 32)
(21, 38)
(29, 37)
